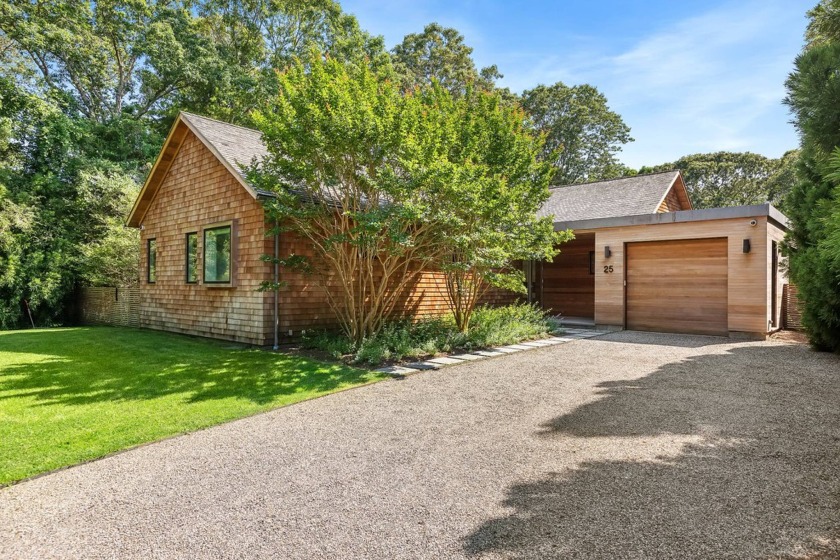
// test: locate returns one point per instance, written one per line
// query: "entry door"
(678, 286)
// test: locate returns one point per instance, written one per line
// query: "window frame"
(149, 278)
(231, 226)
(187, 258)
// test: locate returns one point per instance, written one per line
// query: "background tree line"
(89, 89)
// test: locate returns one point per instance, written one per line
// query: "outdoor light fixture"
(746, 245)
(607, 252)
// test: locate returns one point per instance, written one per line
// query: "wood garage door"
(678, 286)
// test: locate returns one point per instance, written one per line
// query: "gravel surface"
(628, 445)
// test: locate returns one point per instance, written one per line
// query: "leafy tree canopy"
(440, 54)
(733, 178)
(385, 186)
(87, 90)
(582, 135)
(485, 172)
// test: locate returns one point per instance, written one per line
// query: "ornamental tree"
(481, 166)
(336, 135)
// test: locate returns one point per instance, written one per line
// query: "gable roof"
(629, 196)
(234, 146)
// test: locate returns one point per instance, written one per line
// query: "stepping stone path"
(436, 363)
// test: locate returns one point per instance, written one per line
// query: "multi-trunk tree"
(385, 186)
(485, 171)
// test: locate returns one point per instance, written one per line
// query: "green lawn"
(73, 394)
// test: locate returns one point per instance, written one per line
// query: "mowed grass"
(73, 394)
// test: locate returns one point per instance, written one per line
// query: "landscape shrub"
(404, 339)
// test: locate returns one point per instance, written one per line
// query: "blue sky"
(687, 76)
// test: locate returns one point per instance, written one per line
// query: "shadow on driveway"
(761, 479)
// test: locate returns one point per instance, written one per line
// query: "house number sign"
(608, 269)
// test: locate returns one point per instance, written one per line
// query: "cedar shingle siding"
(197, 192)
(198, 182)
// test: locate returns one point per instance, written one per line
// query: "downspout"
(276, 285)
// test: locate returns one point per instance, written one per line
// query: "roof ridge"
(220, 122)
(613, 179)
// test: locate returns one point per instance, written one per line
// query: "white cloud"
(706, 83)
(713, 81)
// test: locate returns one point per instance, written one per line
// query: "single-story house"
(642, 258)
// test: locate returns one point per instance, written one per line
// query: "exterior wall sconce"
(607, 252)
(746, 245)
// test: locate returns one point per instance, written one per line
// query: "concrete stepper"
(569, 335)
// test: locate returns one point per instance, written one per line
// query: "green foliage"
(249, 40)
(723, 179)
(384, 185)
(87, 90)
(54, 175)
(398, 340)
(107, 57)
(824, 24)
(439, 54)
(814, 202)
(73, 395)
(582, 135)
(341, 172)
(479, 161)
(113, 257)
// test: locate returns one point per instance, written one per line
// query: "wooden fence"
(110, 306)
(791, 313)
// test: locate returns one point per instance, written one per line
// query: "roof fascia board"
(681, 216)
(151, 175)
(665, 194)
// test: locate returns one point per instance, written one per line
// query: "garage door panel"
(678, 286)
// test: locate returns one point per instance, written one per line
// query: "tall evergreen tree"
(814, 98)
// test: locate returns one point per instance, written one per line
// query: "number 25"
(608, 269)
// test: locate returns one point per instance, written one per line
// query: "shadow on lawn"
(86, 365)
(761, 479)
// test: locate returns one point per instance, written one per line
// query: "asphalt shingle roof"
(239, 146)
(629, 196)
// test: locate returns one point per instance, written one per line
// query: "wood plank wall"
(747, 273)
(109, 306)
(672, 202)
(568, 287)
(677, 286)
(774, 233)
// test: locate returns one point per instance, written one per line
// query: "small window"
(192, 257)
(217, 255)
(592, 262)
(151, 253)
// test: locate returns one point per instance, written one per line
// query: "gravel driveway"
(628, 445)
